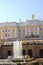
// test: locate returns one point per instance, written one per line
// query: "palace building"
(22, 30)
(29, 32)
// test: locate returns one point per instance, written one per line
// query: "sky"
(14, 10)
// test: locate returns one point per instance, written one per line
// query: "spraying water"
(17, 49)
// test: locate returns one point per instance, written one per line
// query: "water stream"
(17, 49)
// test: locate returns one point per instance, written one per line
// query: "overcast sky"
(13, 10)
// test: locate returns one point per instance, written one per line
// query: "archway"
(29, 52)
(24, 52)
(9, 52)
(41, 53)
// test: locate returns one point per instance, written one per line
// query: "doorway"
(29, 52)
(24, 52)
(41, 53)
(9, 52)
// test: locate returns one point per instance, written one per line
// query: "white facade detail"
(16, 32)
(2, 34)
(36, 30)
(27, 31)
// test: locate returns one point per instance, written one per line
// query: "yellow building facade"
(22, 30)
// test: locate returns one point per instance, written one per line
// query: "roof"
(30, 22)
(9, 24)
(27, 22)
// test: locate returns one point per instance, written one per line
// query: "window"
(29, 52)
(32, 34)
(2, 30)
(9, 53)
(8, 30)
(5, 30)
(6, 35)
(3, 35)
(31, 28)
(24, 52)
(35, 28)
(27, 31)
(19, 30)
(40, 28)
(36, 33)
(13, 29)
(23, 30)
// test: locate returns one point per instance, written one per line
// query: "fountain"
(17, 53)
(17, 50)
